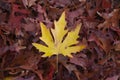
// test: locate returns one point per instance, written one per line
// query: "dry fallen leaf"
(28, 3)
(116, 77)
(56, 44)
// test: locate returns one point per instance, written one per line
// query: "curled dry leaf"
(80, 60)
(101, 41)
(111, 19)
(28, 3)
(117, 46)
(116, 77)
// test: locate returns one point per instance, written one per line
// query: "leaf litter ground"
(100, 31)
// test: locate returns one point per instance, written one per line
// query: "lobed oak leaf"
(56, 44)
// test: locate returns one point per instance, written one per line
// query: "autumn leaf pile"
(59, 39)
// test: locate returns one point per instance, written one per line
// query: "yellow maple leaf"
(55, 41)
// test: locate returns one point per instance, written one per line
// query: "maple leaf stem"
(57, 63)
